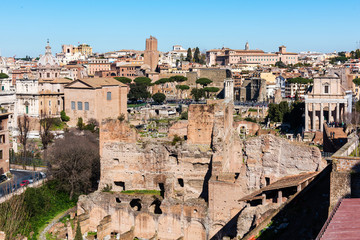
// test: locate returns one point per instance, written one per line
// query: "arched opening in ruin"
(157, 111)
(120, 184)
(155, 206)
(267, 180)
(181, 182)
(135, 204)
(118, 200)
(162, 189)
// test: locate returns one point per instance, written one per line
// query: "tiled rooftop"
(345, 222)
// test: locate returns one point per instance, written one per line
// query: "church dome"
(48, 58)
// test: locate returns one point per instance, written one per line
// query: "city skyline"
(305, 26)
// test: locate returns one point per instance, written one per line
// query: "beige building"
(327, 102)
(51, 96)
(95, 98)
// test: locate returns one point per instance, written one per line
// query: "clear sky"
(107, 25)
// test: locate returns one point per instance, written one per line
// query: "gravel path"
(53, 222)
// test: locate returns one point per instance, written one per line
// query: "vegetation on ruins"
(121, 118)
(176, 139)
(159, 97)
(184, 115)
(3, 75)
(76, 167)
(123, 80)
(203, 81)
(145, 192)
(78, 235)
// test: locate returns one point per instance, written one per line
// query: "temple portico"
(326, 103)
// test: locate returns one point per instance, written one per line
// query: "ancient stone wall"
(201, 123)
(146, 216)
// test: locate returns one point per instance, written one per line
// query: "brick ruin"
(201, 178)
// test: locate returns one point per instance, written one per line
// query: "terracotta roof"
(100, 82)
(56, 80)
(345, 221)
(285, 182)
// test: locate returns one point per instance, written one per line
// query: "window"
(80, 106)
(1, 154)
(49, 103)
(72, 105)
(326, 89)
(58, 102)
(108, 96)
(48, 75)
(86, 106)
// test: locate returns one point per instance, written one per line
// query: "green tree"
(124, 80)
(357, 106)
(189, 55)
(162, 82)
(356, 81)
(197, 55)
(159, 97)
(209, 90)
(182, 88)
(177, 78)
(203, 81)
(80, 123)
(197, 93)
(78, 235)
(138, 91)
(143, 81)
(280, 64)
(274, 112)
(3, 75)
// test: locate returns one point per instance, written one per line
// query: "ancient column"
(279, 200)
(313, 117)
(306, 117)
(329, 117)
(337, 112)
(321, 117)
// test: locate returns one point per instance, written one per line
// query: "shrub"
(175, 140)
(80, 124)
(64, 117)
(107, 188)
(184, 115)
(121, 118)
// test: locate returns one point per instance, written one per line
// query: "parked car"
(24, 183)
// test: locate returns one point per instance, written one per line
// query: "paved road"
(14, 183)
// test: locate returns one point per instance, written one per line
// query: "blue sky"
(302, 25)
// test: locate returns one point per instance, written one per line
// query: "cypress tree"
(189, 55)
(78, 235)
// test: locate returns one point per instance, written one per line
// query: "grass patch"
(92, 233)
(136, 105)
(147, 192)
(41, 205)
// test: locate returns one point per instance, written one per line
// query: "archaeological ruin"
(201, 182)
